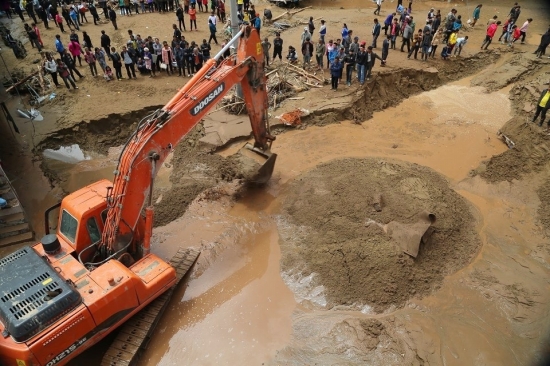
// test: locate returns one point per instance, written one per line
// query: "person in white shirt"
(323, 31)
(378, 6)
(212, 18)
(523, 29)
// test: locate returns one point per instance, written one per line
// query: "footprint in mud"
(415, 187)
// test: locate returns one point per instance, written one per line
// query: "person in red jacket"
(514, 36)
(491, 30)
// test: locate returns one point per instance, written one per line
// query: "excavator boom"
(158, 134)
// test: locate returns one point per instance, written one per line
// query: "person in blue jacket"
(336, 72)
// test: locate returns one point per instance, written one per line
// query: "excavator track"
(134, 335)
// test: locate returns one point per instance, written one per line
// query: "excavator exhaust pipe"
(257, 164)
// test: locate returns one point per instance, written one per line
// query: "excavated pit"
(325, 237)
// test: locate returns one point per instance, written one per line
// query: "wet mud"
(334, 230)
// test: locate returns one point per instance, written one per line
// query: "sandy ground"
(239, 308)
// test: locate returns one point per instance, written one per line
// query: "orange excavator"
(96, 273)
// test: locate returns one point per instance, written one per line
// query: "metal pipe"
(229, 44)
(235, 31)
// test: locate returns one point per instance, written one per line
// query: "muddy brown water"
(237, 309)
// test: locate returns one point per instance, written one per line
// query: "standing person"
(320, 51)
(257, 23)
(87, 40)
(75, 50)
(410, 6)
(149, 64)
(106, 44)
(90, 59)
(336, 73)
(375, 32)
(59, 45)
(213, 31)
(71, 64)
(523, 29)
(37, 31)
(93, 12)
(371, 60)
(221, 10)
(30, 11)
(277, 46)
(349, 61)
(542, 107)
(197, 59)
(544, 42)
(51, 67)
(378, 6)
(305, 35)
(417, 40)
(361, 62)
(460, 43)
(330, 52)
(157, 53)
(307, 51)
(112, 18)
(205, 50)
(128, 63)
(67, 17)
(179, 15)
(427, 39)
(100, 57)
(311, 26)
(388, 23)
(59, 21)
(385, 48)
(322, 31)
(193, 18)
(436, 41)
(33, 38)
(394, 32)
(490, 34)
(266, 46)
(506, 30)
(407, 35)
(167, 57)
(74, 18)
(476, 14)
(65, 75)
(103, 5)
(179, 57)
(117, 63)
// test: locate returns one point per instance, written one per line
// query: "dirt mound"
(361, 265)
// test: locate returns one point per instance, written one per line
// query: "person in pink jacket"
(167, 57)
(491, 30)
(76, 51)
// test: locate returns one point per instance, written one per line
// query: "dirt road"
(263, 291)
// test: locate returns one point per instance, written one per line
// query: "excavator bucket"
(257, 165)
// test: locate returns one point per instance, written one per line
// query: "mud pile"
(361, 265)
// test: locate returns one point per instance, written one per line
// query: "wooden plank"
(16, 239)
(13, 228)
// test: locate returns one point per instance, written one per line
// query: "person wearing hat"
(148, 58)
(542, 107)
(305, 35)
(277, 46)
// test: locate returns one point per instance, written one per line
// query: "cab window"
(68, 226)
(93, 230)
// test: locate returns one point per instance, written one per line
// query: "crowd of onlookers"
(438, 35)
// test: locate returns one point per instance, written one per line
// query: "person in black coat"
(371, 60)
(106, 44)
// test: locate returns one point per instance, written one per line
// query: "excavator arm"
(158, 134)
